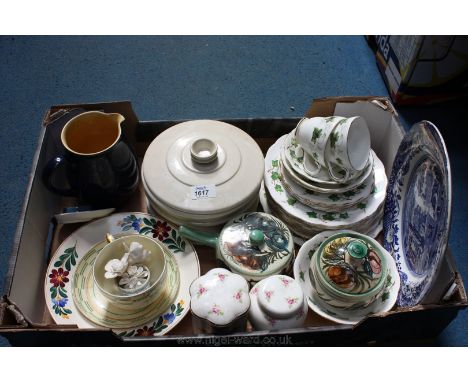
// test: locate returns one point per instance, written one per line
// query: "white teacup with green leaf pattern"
(349, 148)
(313, 136)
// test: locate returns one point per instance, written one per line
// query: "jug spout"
(115, 117)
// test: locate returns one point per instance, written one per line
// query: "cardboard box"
(422, 69)
(24, 318)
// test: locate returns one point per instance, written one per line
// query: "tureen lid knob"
(256, 237)
(357, 249)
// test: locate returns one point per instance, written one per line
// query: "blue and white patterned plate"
(417, 210)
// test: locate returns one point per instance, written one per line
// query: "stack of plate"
(312, 204)
(202, 173)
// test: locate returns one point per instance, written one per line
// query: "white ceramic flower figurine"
(115, 267)
(135, 277)
(136, 253)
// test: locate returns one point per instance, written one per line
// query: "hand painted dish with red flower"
(329, 306)
(348, 271)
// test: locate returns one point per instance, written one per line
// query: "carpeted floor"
(196, 77)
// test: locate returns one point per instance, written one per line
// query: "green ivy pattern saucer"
(341, 218)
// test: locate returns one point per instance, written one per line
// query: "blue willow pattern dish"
(417, 211)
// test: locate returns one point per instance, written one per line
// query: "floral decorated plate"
(417, 210)
(58, 284)
(340, 219)
(342, 316)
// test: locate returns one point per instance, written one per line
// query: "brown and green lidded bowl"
(349, 268)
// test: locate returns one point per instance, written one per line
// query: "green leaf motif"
(316, 134)
(349, 194)
(274, 175)
(341, 122)
(312, 214)
(329, 216)
(278, 188)
(385, 296)
(68, 259)
(344, 215)
(334, 197)
(361, 206)
(301, 275)
(333, 139)
(291, 201)
(274, 163)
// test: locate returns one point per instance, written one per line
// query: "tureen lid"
(351, 264)
(280, 296)
(211, 167)
(219, 296)
(256, 243)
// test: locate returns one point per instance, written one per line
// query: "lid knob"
(357, 249)
(204, 151)
(256, 237)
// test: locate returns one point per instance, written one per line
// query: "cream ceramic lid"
(219, 296)
(280, 296)
(217, 157)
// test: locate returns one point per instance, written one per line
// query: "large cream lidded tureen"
(202, 173)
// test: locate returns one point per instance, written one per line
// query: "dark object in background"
(100, 167)
(422, 69)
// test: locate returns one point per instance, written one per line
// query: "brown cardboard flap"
(324, 107)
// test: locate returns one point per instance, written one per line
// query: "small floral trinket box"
(277, 302)
(219, 302)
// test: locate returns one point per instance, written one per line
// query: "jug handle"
(47, 173)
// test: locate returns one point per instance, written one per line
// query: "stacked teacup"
(324, 176)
